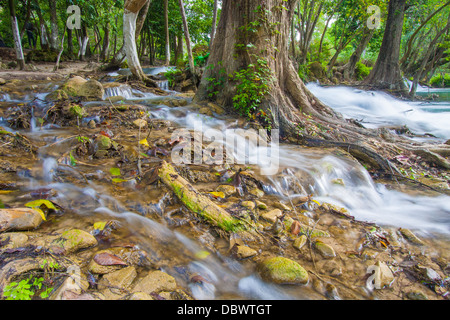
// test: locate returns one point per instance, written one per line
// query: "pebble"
(411, 237)
(140, 123)
(156, 281)
(248, 204)
(300, 242)
(324, 249)
(228, 190)
(272, 215)
(19, 219)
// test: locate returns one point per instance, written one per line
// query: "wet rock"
(121, 279)
(101, 146)
(248, 204)
(282, 206)
(228, 190)
(282, 270)
(383, 275)
(156, 281)
(92, 90)
(416, 295)
(331, 292)
(244, 252)
(71, 289)
(89, 90)
(57, 95)
(2, 81)
(324, 249)
(205, 111)
(411, 237)
(140, 123)
(74, 240)
(13, 240)
(92, 124)
(272, 215)
(300, 242)
(261, 205)
(257, 192)
(19, 219)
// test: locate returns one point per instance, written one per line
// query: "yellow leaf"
(218, 194)
(202, 254)
(318, 203)
(38, 203)
(144, 142)
(100, 225)
(41, 213)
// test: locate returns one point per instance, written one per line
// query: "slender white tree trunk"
(166, 27)
(187, 37)
(16, 35)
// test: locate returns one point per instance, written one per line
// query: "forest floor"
(126, 257)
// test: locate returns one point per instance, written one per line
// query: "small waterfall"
(163, 85)
(122, 91)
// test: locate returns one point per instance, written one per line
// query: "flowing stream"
(301, 172)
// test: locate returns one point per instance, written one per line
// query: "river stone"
(384, 276)
(57, 95)
(257, 192)
(282, 206)
(261, 205)
(140, 123)
(72, 289)
(244, 252)
(272, 215)
(248, 204)
(156, 281)
(2, 81)
(75, 240)
(411, 237)
(300, 242)
(19, 219)
(226, 189)
(91, 90)
(205, 111)
(72, 85)
(282, 270)
(15, 240)
(324, 249)
(102, 142)
(416, 295)
(121, 279)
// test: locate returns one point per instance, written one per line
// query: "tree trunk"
(130, 15)
(214, 23)
(16, 35)
(287, 96)
(43, 29)
(386, 72)
(349, 68)
(70, 42)
(53, 25)
(187, 37)
(105, 48)
(166, 29)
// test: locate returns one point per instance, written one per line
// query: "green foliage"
(362, 71)
(441, 81)
(171, 74)
(26, 289)
(252, 86)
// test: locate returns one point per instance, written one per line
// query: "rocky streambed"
(92, 208)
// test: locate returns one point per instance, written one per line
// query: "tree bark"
(386, 72)
(187, 37)
(53, 25)
(16, 35)
(349, 68)
(166, 30)
(130, 15)
(214, 23)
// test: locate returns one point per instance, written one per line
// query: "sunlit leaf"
(39, 203)
(144, 142)
(115, 171)
(218, 194)
(118, 180)
(202, 254)
(107, 259)
(100, 225)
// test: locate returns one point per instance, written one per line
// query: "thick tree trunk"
(166, 30)
(16, 35)
(130, 15)
(53, 26)
(386, 72)
(187, 37)
(288, 97)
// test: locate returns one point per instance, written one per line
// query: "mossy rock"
(317, 71)
(57, 95)
(282, 270)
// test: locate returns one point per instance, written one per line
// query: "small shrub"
(362, 71)
(440, 81)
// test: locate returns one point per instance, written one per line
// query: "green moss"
(283, 271)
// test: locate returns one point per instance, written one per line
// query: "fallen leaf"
(144, 142)
(115, 171)
(218, 194)
(107, 259)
